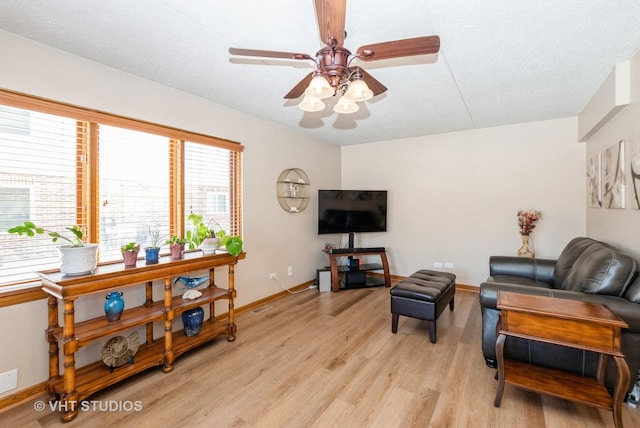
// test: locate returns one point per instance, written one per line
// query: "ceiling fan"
(334, 74)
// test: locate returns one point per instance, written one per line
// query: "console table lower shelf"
(96, 376)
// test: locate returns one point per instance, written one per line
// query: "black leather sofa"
(586, 270)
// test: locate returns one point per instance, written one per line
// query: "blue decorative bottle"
(192, 320)
(114, 305)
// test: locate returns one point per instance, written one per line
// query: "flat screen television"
(352, 211)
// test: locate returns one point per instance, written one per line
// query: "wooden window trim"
(21, 293)
(30, 102)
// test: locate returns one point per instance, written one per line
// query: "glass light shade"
(311, 104)
(346, 106)
(359, 91)
(320, 88)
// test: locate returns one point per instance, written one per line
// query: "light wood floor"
(330, 360)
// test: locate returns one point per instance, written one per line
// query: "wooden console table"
(350, 252)
(581, 325)
(75, 385)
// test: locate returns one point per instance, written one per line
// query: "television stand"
(358, 278)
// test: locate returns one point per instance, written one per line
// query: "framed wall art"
(613, 176)
(594, 188)
(635, 173)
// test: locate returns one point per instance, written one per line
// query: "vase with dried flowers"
(527, 222)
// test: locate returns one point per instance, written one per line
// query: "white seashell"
(191, 294)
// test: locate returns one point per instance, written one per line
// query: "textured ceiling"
(500, 62)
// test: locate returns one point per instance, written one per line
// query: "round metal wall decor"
(293, 190)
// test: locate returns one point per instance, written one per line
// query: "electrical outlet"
(437, 264)
(8, 380)
(448, 265)
(290, 271)
(272, 275)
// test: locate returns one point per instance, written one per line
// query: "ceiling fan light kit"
(333, 74)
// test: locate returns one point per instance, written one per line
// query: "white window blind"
(38, 163)
(134, 188)
(207, 188)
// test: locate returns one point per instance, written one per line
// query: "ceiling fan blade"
(268, 54)
(376, 87)
(331, 15)
(400, 48)
(298, 90)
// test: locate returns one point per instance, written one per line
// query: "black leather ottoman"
(423, 295)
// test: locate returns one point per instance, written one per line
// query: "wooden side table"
(581, 325)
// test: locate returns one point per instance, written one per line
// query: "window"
(134, 188)
(115, 177)
(217, 202)
(14, 121)
(206, 190)
(17, 201)
(39, 166)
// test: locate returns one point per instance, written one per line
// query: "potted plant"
(130, 253)
(76, 257)
(176, 246)
(232, 243)
(204, 236)
(152, 252)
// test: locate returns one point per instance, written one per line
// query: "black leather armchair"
(586, 270)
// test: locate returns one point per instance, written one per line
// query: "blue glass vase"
(192, 320)
(114, 305)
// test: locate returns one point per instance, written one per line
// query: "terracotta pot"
(130, 257)
(176, 250)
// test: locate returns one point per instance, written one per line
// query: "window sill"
(22, 293)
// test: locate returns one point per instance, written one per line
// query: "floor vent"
(261, 309)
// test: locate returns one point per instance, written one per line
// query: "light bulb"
(359, 91)
(319, 88)
(311, 104)
(346, 106)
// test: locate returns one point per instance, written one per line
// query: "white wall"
(454, 197)
(274, 239)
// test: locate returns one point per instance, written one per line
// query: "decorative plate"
(120, 350)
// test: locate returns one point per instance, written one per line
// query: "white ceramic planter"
(209, 245)
(78, 260)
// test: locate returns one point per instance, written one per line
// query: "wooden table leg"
(500, 358)
(169, 356)
(385, 267)
(620, 389)
(69, 400)
(231, 336)
(54, 350)
(335, 279)
(148, 302)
